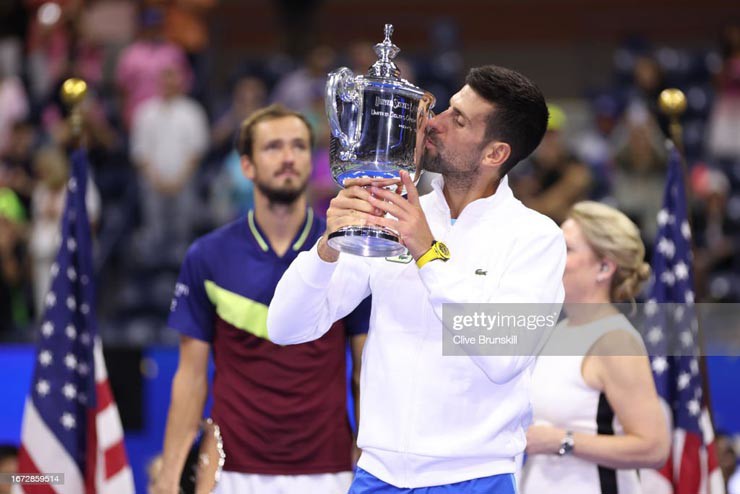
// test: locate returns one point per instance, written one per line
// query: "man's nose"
(433, 124)
(288, 155)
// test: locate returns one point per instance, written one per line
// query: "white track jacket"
(428, 419)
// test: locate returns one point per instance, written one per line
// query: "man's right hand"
(351, 208)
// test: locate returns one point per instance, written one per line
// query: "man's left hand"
(410, 223)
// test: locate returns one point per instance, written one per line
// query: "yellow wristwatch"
(438, 250)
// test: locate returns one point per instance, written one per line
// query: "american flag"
(70, 422)
(673, 343)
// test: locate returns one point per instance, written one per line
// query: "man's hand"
(410, 223)
(351, 207)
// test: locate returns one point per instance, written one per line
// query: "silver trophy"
(377, 124)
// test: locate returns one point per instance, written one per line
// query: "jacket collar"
(477, 208)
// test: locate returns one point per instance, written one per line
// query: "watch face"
(443, 250)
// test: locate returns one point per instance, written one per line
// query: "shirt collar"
(298, 241)
(478, 207)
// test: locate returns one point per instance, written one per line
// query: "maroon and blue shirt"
(282, 410)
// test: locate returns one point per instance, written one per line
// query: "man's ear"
(247, 167)
(495, 154)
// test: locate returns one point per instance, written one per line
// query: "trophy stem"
(366, 241)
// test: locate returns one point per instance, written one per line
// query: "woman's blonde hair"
(612, 235)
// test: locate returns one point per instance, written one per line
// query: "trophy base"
(366, 241)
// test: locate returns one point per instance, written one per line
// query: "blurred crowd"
(619, 154)
(164, 169)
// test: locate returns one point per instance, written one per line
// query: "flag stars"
(694, 366)
(651, 307)
(687, 339)
(71, 303)
(71, 273)
(47, 329)
(51, 299)
(679, 312)
(83, 369)
(45, 358)
(85, 338)
(71, 244)
(70, 331)
(664, 218)
(693, 407)
(85, 309)
(655, 335)
(681, 270)
(667, 248)
(42, 388)
(84, 279)
(72, 184)
(54, 270)
(686, 230)
(69, 391)
(82, 398)
(668, 278)
(68, 421)
(689, 297)
(660, 365)
(683, 380)
(70, 361)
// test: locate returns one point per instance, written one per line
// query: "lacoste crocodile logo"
(480, 272)
(402, 259)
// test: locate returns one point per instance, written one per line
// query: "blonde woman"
(597, 416)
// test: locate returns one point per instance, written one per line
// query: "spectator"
(249, 94)
(14, 104)
(14, 308)
(715, 234)
(49, 195)
(728, 463)
(555, 179)
(13, 26)
(724, 122)
(15, 162)
(8, 464)
(169, 136)
(594, 145)
(639, 175)
(298, 89)
(138, 70)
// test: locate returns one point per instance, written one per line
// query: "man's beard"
(434, 163)
(284, 196)
(437, 163)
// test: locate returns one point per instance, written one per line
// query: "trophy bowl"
(377, 124)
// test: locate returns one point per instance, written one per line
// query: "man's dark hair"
(520, 113)
(245, 141)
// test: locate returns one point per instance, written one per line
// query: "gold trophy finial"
(73, 93)
(672, 103)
